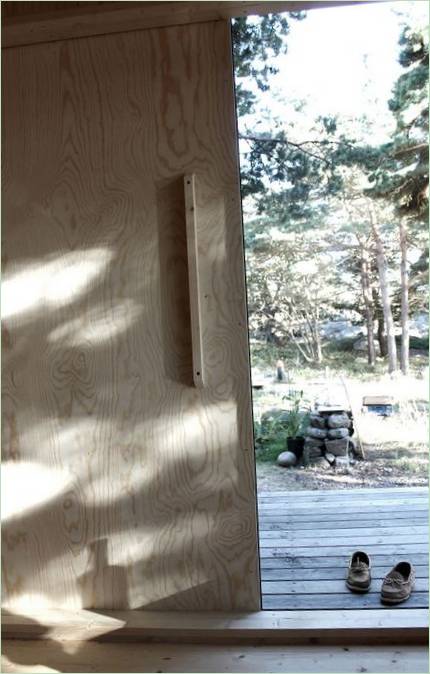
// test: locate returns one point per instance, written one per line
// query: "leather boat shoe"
(398, 584)
(359, 577)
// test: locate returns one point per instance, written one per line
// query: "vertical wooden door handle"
(193, 279)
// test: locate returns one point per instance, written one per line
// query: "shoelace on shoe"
(395, 580)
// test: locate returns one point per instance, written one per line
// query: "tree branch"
(282, 141)
(411, 148)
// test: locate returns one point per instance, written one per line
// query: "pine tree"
(403, 176)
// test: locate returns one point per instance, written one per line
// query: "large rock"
(419, 325)
(311, 456)
(337, 447)
(287, 459)
(316, 421)
(317, 433)
(314, 443)
(340, 329)
(275, 414)
(337, 433)
(361, 345)
(313, 450)
(339, 420)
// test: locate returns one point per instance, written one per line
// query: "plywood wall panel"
(127, 487)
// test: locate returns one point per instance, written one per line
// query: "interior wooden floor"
(307, 537)
(53, 656)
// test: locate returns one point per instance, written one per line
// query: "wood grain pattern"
(94, 657)
(146, 494)
(39, 22)
(380, 625)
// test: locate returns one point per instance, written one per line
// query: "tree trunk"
(382, 339)
(368, 303)
(381, 261)
(404, 290)
(379, 316)
(318, 346)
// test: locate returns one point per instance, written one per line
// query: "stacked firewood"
(328, 435)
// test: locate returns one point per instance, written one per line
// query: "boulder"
(287, 459)
(314, 443)
(317, 433)
(311, 455)
(361, 345)
(337, 447)
(337, 433)
(275, 414)
(316, 421)
(339, 420)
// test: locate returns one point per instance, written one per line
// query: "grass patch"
(269, 452)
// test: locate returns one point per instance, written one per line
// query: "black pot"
(296, 445)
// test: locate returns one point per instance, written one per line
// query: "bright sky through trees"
(341, 58)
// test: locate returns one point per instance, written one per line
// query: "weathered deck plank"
(293, 561)
(306, 539)
(317, 602)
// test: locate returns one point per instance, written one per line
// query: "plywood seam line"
(87, 22)
(124, 31)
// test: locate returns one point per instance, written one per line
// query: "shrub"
(277, 424)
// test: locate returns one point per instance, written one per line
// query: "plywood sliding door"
(126, 484)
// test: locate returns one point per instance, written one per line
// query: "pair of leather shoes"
(396, 586)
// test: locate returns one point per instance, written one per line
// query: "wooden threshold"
(379, 626)
(93, 656)
(116, 17)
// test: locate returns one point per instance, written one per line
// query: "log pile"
(328, 435)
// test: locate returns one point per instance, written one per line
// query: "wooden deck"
(307, 537)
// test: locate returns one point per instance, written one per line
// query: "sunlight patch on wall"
(51, 282)
(98, 324)
(27, 485)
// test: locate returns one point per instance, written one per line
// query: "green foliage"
(276, 425)
(269, 437)
(296, 418)
(256, 42)
(419, 343)
(274, 158)
(314, 229)
(403, 174)
(418, 282)
(292, 285)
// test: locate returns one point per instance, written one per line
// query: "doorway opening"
(333, 120)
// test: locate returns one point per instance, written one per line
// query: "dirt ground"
(380, 468)
(395, 448)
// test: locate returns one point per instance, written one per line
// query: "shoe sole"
(358, 590)
(392, 602)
